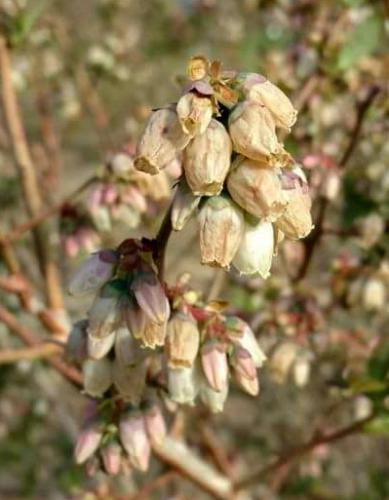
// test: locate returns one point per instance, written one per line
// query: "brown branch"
(161, 241)
(314, 238)
(31, 339)
(297, 452)
(158, 483)
(19, 230)
(29, 353)
(28, 179)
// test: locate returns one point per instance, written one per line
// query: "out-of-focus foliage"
(87, 74)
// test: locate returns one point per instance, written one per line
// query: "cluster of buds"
(205, 349)
(116, 441)
(77, 233)
(125, 194)
(249, 192)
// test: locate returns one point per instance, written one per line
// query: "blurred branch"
(299, 451)
(149, 487)
(186, 463)
(314, 238)
(36, 352)
(19, 230)
(31, 339)
(28, 178)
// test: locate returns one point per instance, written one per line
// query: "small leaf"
(379, 425)
(362, 41)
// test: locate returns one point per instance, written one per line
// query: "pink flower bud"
(93, 273)
(109, 194)
(151, 297)
(155, 425)
(241, 334)
(215, 367)
(221, 231)
(88, 440)
(134, 439)
(160, 142)
(184, 204)
(207, 160)
(97, 376)
(257, 188)
(182, 343)
(111, 455)
(95, 197)
(260, 90)
(71, 245)
(99, 347)
(249, 385)
(243, 362)
(134, 197)
(256, 249)
(253, 131)
(194, 113)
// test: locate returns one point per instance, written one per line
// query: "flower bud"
(111, 455)
(182, 343)
(257, 189)
(93, 273)
(296, 220)
(162, 138)
(214, 400)
(241, 334)
(243, 362)
(256, 249)
(207, 160)
(102, 219)
(121, 165)
(76, 346)
(301, 370)
(281, 361)
(260, 90)
(104, 315)
(221, 231)
(214, 363)
(97, 376)
(197, 68)
(151, 297)
(126, 351)
(135, 318)
(154, 335)
(183, 384)
(99, 347)
(374, 294)
(130, 381)
(194, 112)
(155, 425)
(253, 131)
(249, 385)
(134, 197)
(184, 204)
(134, 439)
(88, 440)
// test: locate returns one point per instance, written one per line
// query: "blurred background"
(87, 74)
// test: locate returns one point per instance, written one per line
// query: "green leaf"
(363, 40)
(379, 362)
(367, 385)
(379, 425)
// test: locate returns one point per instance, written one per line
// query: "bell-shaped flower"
(184, 205)
(133, 435)
(194, 112)
(183, 384)
(206, 160)
(182, 341)
(97, 376)
(93, 273)
(241, 334)
(151, 297)
(221, 230)
(215, 366)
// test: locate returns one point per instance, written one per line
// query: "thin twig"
(161, 241)
(19, 230)
(156, 484)
(302, 450)
(38, 352)
(28, 179)
(314, 238)
(31, 339)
